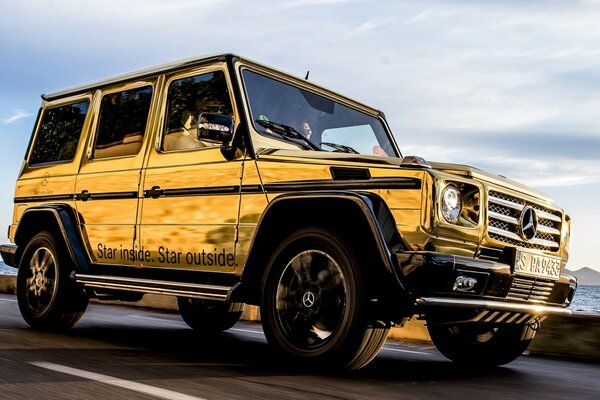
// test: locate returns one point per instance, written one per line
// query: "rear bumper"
(8, 252)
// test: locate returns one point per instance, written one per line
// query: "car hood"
(496, 180)
(375, 161)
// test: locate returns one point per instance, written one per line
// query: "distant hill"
(586, 276)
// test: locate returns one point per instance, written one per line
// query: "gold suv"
(225, 182)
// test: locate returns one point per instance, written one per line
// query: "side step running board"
(207, 292)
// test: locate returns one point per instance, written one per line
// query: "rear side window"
(59, 133)
(122, 123)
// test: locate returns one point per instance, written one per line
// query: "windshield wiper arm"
(340, 147)
(286, 131)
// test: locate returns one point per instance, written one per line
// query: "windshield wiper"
(287, 132)
(340, 147)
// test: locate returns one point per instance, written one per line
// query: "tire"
(47, 298)
(314, 305)
(481, 345)
(207, 316)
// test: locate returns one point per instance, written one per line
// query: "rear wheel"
(314, 303)
(209, 316)
(47, 298)
(481, 345)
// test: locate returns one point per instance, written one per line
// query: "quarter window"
(187, 99)
(59, 133)
(122, 123)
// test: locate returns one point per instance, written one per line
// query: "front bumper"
(499, 295)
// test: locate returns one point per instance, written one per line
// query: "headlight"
(451, 204)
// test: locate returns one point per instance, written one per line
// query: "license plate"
(537, 265)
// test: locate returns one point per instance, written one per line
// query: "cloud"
(373, 24)
(510, 87)
(421, 16)
(16, 115)
(542, 162)
(544, 173)
(309, 3)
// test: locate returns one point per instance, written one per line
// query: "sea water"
(587, 298)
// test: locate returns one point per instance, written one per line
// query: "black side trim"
(299, 186)
(51, 197)
(378, 183)
(251, 189)
(214, 190)
(85, 196)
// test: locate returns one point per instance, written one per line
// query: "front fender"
(364, 214)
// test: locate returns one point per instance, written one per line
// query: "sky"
(512, 87)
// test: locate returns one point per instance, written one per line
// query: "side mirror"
(215, 128)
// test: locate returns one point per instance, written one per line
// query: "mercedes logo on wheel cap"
(308, 299)
(528, 223)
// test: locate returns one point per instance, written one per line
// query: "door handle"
(155, 192)
(84, 195)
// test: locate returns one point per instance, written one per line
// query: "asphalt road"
(126, 353)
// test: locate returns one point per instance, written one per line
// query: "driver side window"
(186, 100)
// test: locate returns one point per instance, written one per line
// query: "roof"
(139, 74)
(181, 64)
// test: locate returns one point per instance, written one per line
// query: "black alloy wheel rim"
(311, 300)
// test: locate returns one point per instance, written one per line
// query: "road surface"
(126, 353)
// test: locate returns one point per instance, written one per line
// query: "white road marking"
(247, 331)
(9, 300)
(122, 383)
(404, 351)
(151, 317)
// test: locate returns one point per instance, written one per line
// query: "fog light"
(464, 283)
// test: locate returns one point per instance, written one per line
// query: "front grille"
(504, 212)
(530, 289)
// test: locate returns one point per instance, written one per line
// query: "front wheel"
(481, 345)
(314, 303)
(47, 298)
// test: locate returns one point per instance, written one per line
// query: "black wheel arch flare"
(61, 219)
(363, 217)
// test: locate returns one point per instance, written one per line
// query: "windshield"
(283, 111)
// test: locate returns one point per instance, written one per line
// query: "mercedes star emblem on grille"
(528, 223)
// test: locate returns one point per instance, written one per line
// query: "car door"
(107, 186)
(191, 198)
